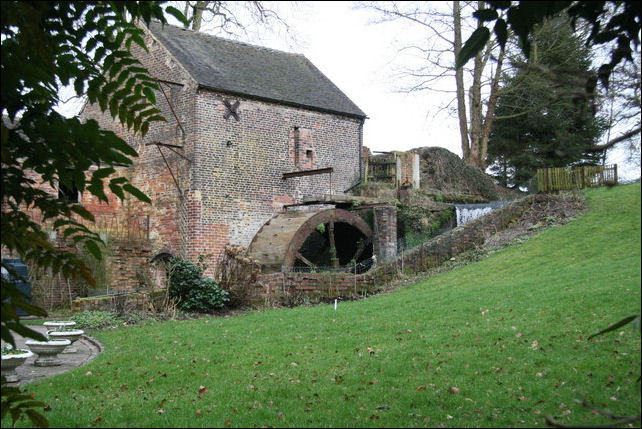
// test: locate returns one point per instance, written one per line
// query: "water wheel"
(312, 241)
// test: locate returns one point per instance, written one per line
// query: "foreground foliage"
(45, 47)
(502, 342)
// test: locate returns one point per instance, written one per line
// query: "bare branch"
(615, 141)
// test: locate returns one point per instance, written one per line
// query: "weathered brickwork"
(226, 180)
(385, 233)
(407, 169)
(239, 165)
(161, 172)
(214, 178)
(279, 288)
(125, 262)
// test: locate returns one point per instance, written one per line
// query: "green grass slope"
(498, 343)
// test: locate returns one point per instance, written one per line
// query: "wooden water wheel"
(312, 240)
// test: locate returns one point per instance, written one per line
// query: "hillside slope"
(497, 343)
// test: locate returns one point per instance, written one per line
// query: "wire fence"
(354, 268)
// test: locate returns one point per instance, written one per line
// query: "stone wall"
(385, 232)
(122, 303)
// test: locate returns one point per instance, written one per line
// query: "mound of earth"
(445, 173)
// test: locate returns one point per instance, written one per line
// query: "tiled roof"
(242, 69)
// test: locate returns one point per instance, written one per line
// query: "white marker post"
(335, 305)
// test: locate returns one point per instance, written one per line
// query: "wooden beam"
(307, 172)
(304, 259)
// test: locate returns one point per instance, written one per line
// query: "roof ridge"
(243, 68)
(225, 39)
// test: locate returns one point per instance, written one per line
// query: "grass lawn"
(498, 343)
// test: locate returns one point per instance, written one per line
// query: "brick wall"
(221, 179)
(124, 262)
(231, 182)
(239, 164)
(277, 288)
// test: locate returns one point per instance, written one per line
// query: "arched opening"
(334, 239)
(332, 245)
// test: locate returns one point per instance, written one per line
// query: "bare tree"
(623, 104)
(476, 88)
(231, 17)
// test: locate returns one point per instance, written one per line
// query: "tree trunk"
(476, 113)
(197, 17)
(459, 80)
(490, 112)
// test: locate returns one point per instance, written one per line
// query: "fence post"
(365, 171)
(615, 173)
(355, 278)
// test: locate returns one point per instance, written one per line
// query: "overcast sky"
(360, 58)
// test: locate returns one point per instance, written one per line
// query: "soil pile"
(445, 173)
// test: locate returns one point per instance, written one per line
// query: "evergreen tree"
(543, 119)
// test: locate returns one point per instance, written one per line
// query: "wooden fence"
(383, 169)
(555, 179)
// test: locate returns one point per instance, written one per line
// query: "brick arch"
(278, 244)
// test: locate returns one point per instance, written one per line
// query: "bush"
(95, 319)
(194, 292)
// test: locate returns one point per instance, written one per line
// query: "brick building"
(249, 132)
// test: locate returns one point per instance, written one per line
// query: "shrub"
(194, 292)
(95, 319)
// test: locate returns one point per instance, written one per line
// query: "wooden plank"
(307, 172)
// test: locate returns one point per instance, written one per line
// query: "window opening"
(68, 194)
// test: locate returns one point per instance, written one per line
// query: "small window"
(64, 193)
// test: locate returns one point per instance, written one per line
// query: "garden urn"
(72, 335)
(12, 361)
(47, 351)
(59, 325)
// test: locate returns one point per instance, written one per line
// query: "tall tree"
(540, 122)
(46, 46)
(476, 88)
(615, 25)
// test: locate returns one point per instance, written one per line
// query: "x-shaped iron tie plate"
(231, 109)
